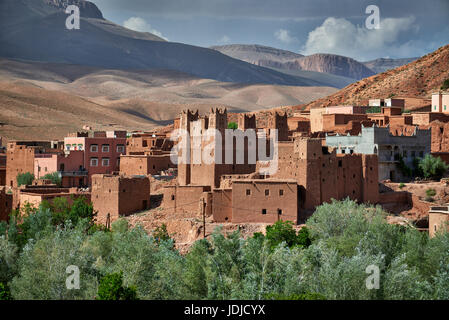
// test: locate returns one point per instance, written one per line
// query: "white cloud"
(284, 36)
(224, 39)
(140, 25)
(340, 36)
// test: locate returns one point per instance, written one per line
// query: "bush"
(5, 293)
(445, 85)
(233, 125)
(25, 179)
(283, 231)
(160, 233)
(430, 193)
(433, 167)
(374, 110)
(54, 178)
(62, 211)
(401, 185)
(111, 288)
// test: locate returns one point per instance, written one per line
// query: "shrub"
(433, 167)
(54, 178)
(374, 110)
(233, 125)
(283, 231)
(445, 84)
(111, 288)
(160, 233)
(24, 179)
(5, 293)
(431, 192)
(401, 185)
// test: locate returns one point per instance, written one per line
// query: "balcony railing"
(83, 173)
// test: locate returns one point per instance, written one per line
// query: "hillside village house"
(389, 148)
(440, 102)
(101, 152)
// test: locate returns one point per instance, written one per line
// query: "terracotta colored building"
(148, 143)
(323, 175)
(101, 152)
(5, 204)
(199, 172)
(2, 169)
(264, 201)
(114, 196)
(34, 195)
(144, 164)
(69, 165)
(20, 157)
(438, 218)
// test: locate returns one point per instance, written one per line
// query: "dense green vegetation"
(53, 177)
(233, 125)
(433, 167)
(374, 110)
(24, 179)
(429, 167)
(326, 260)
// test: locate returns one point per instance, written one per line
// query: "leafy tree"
(433, 167)
(283, 231)
(303, 237)
(54, 177)
(62, 211)
(233, 125)
(43, 264)
(111, 288)
(24, 179)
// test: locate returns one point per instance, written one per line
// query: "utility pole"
(203, 209)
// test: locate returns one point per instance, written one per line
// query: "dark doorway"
(392, 175)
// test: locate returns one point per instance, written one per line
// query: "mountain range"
(54, 80)
(35, 30)
(283, 60)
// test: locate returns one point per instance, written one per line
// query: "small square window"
(105, 148)
(120, 148)
(264, 211)
(94, 162)
(248, 192)
(279, 212)
(94, 148)
(173, 197)
(281, 192)
(105, 162)
(267, 192)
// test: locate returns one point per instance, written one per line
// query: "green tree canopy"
(433, 167)
(25, 179)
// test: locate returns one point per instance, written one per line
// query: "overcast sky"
(408, 28)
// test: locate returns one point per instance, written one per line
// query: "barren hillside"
(416, 80)
(48, 100)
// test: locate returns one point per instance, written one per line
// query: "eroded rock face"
(87, 8)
